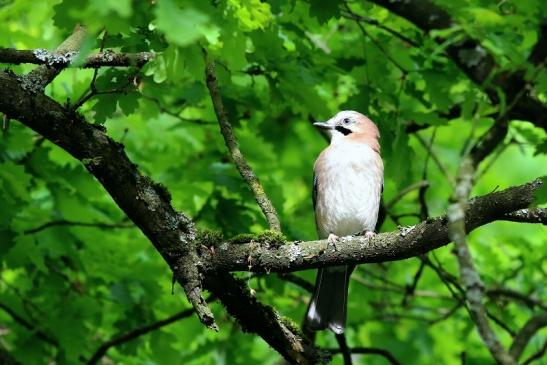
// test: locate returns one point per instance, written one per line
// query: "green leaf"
(251, 14)
(129, 102)
(541, 149)
(325, 10)
(183, 26)
(25, 252)
(15, 180)
(540, 194)
(65, 11)
(104, 108)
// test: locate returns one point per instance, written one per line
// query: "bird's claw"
(332, 239)
(366, 234)
(370, 234)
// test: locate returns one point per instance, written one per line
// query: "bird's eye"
(347, 121)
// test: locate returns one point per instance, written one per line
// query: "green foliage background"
(278, 63)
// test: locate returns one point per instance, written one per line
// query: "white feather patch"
(350, 177)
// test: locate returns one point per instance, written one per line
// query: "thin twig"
(63, 222)
(94, 92)
(424, 210)
(529, 300)
(435, 158)
(500, 323)
(491, 161)
(233, 147)
(297, 280)
(370, 351)
(376, 43)
(377, 24)
(92, 85)
(449, 280)
(401, 194)
(410, 289)
(526, 333)
(536, 356)
(164, 110)
(137, 332)
(29, 326)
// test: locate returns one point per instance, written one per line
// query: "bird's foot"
(366, 234)
(332, 239)
(369, 234)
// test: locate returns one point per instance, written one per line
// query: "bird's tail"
(329, 301)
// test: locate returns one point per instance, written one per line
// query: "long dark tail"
(329, 301)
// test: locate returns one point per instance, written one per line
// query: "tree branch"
(40, 77)
(536, 356)
(78, 224)
(397, 245)
(371, 351)
(416, 186)
(137, 332)
(165, 110)
(60, 59)
(29, 326)
(147, 204)
(254, 317)
(297, 280)
(429, 148)
(529, 300)
(348, 14)
(522, 338)
(531, 215)
(426, 15)
(233, 147)
(470, 278)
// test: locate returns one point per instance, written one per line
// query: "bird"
(347, 187)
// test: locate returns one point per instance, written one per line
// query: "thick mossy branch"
(270, 238)
(172, 233)
(209, 237)
(398, 245)
(143, 200)
(255, 317)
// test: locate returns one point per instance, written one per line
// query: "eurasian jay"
(347, 184)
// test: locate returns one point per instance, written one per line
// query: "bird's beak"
(323, 125)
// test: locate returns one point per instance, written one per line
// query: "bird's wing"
(314, 194)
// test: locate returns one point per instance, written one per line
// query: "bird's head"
(349, 124)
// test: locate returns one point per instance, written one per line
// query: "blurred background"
(75, 273)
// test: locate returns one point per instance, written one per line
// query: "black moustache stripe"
(342, 130)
